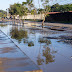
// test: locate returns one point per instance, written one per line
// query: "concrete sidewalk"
(12, 59)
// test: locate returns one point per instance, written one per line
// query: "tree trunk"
(23, 22)
(19, 21)
(43, 22)
(14, 19)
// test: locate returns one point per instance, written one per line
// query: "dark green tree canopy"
(3, 13)
(61, 8)
(18, 9)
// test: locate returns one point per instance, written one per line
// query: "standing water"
(50, 54)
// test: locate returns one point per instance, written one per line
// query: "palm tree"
(28, 3)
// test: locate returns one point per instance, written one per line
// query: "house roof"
(70, 11)
(53, 12)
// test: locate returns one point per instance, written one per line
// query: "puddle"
(47, 53)
(7, 50)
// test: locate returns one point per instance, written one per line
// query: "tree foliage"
(28, 4)
(33, 12)
(18, 9)
(3, 13)
(40, 10)
(46, 9)
(61, 8)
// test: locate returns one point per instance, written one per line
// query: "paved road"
(12, 59)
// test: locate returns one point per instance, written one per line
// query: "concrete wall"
(38, 16)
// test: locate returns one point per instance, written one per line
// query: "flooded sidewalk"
(50, 48)
(12, 59)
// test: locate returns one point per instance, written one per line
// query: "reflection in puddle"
(44, 40)
(44, 50)
(13, 64)
(48, 57)
(3, 25)
(18, 34)
(7, 50)
(12, 59)
(30, 43)
(21, 35)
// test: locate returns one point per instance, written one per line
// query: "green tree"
(61, 8)
(14, 10)
(40, 10)
(18, 9)
(33, 12)
(46, 9)
(23, 12)
(67, 8)
(2, 13)
(55, 7)
(29, 4)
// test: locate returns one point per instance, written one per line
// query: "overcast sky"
(4, 4)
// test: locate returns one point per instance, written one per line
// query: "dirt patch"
(62, 38)
(66, 39)
(57, 28)
(35, 29)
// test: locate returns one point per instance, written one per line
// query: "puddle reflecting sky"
(49, 54)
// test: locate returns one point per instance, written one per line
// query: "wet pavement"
(45, 47)
(12, 59)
